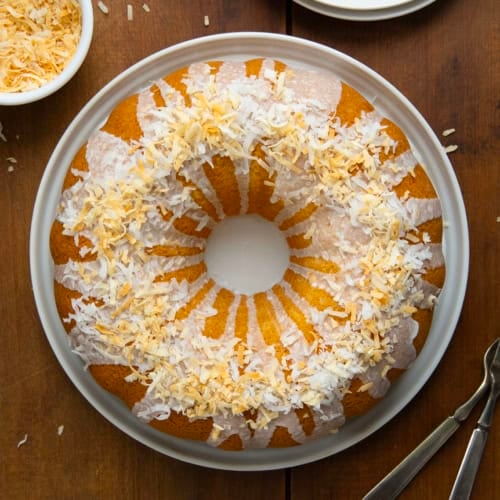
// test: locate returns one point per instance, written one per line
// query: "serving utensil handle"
(392, 484)
(470, 463)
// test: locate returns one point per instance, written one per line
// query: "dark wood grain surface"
(445, 59)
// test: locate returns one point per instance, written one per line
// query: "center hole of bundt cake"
(246, 254)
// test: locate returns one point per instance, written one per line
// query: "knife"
(395, 482)
(468, 468)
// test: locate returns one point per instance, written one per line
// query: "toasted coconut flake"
(451, 148)
(2, 136)
(23, 441)
(366, 387)
(448, 132)
(60, 430)
(103, 7)
(37, 41)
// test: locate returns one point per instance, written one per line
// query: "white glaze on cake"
(360, 226)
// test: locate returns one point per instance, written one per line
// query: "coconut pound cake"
(195, 359)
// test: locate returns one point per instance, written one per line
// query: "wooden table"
(445, 59)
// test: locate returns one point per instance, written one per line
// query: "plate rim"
(366, 15)
(363, 5)
(266, 459)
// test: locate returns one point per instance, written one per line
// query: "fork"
(394, 483)
(470, 463)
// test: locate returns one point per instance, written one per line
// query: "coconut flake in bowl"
(42, 45)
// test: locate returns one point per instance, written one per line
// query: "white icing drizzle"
(436, 258)
(225, 426)
(146, 108)
(360, 227)
(242, 167)
(108, 157)
(254, 337)
(328, 419)
(320, 88)
(421, 210)
(291, 337)
(288, 420)
(396, 169)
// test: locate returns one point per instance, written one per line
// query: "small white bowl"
(16, 98)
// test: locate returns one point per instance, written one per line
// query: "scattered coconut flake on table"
(448, 131)
(130, 12)
(103, 7)
(24, 440)
(498, 218)
(145, 6)
(11, 159)
(451, 148)
(1, 133)
(10, 168)
(206, 21)
(60, 430)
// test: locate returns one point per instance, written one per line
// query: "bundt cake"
(295, 147)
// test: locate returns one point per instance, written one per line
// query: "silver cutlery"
(395, 482)
(467, 473)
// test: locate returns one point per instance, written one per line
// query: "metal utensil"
(395, 482)
(467, 473)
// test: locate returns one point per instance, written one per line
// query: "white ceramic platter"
(299, 53)
(364, 10)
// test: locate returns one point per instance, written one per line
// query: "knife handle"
(392, 484)
(464, 481)
(470, 463)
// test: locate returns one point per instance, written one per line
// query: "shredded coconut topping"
(311, 157)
